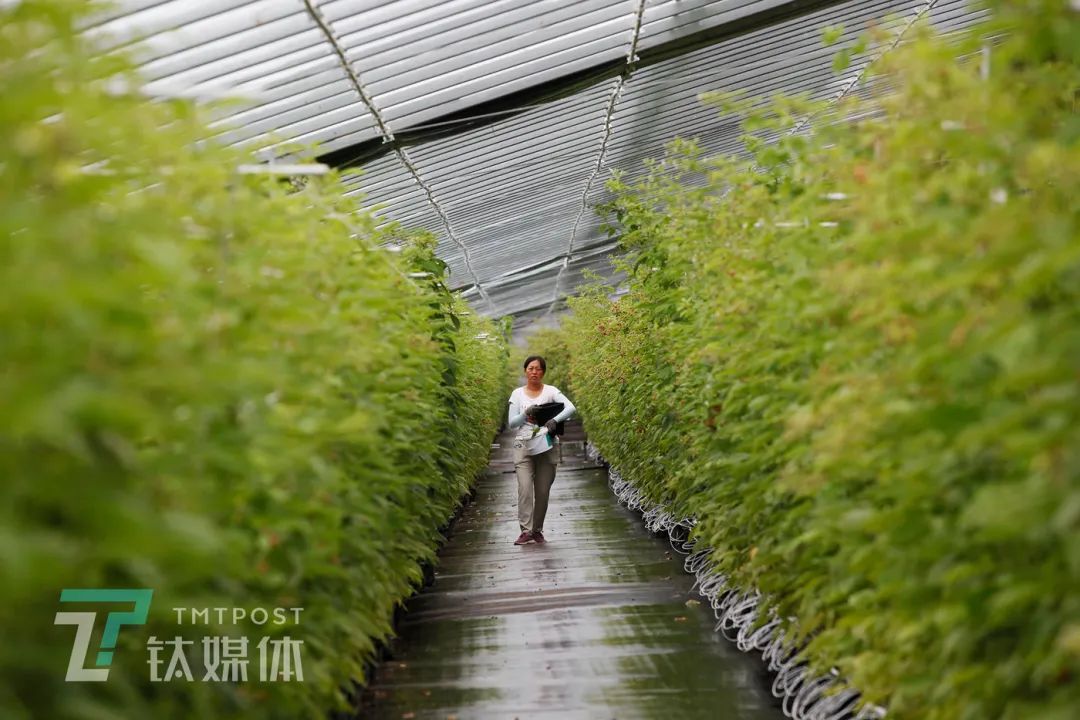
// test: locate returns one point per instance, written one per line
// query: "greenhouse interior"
(554, 359)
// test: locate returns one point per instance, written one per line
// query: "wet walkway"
(594, 624)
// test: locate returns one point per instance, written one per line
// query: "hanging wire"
(388, 137)
(803, 696)
(853, 82)
(609, 116)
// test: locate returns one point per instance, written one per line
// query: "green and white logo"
(86, 621)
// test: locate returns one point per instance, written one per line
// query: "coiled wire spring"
(802, 695)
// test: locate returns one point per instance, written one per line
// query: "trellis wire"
(802, 695)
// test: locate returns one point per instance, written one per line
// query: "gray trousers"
(535, 474)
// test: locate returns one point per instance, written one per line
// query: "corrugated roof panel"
(507, 186)
(666, 20)
(252, 70)
(479, 32)
(478, 51)
(499, 209)
(299, 121)
(411, 107)
(203, 41)
(507, 200)
(316, 132)
(495, 166)
(340, 90)
(141, 20)
(547, 125)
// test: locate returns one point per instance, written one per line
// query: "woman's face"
(533, 372)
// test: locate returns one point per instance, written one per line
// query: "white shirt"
(532, 437)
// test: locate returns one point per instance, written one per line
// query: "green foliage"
(832, 34)
(855, 358)
(213, 385)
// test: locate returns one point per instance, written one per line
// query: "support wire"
(388, 137)
(609, 115)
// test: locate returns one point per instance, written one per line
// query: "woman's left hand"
(550, 425)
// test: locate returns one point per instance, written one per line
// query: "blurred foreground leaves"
(214, 385)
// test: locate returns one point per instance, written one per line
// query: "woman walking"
(536, 451)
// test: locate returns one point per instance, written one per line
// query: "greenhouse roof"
(495, 123)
